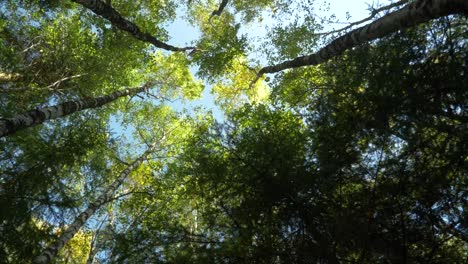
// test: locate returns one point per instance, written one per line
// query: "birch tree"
(38, 116)
(359, 159)
(51, 251)
(414, 13)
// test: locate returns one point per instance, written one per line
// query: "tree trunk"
(108, 12)
(38, 116)
(9, 77)
(92, 254)
(415, 13)
(51, 251)
(220, 9)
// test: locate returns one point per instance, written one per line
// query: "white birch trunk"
(414, 13)
(50, 252)
(34, 117)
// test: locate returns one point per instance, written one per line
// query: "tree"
(31, 195)
(38, 116)
(333, 179)
(357, 158)
(52, 250)
(412, 14)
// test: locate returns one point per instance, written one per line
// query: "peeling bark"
(414, 13)
(108, 12)
(31, 118)
(50, 252)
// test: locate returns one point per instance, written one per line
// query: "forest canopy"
(319, 141)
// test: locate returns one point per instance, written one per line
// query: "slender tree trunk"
(92, 254)
(415, 13)
(108, 12)
(50, 252)
(38, 116)
(93, 247)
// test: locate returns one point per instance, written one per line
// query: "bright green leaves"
(172, 76)
(235, 88)
(252, 10)
(219, 45)
(68, 57)
(77, 249)
(299, 88)
(292, 40)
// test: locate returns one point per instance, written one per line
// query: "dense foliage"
(358, 159)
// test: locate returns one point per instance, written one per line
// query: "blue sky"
(182, 34)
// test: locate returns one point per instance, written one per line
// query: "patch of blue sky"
(182, 33)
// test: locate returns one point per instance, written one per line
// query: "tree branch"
(40, 115)
(220, 9)
(413, 14)
(108, 12)
(373, 14)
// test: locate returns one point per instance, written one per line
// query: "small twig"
(128, 102)
(121, 161)
(57, 83)
(143, 138)
(30, 47)
(52, 87)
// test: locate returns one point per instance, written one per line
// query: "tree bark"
(415, 13)
(50, 252)
(220, 9)
(9, 77)
(108, 12)
(92, 254)
(31, 118)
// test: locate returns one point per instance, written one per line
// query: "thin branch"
(142, 136)
(52, 87)
(121, 161)
(413, 14)
(373, 14)
(56, 84)
(31, 47)
(9, 77)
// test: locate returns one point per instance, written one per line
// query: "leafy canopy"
(360, 159)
